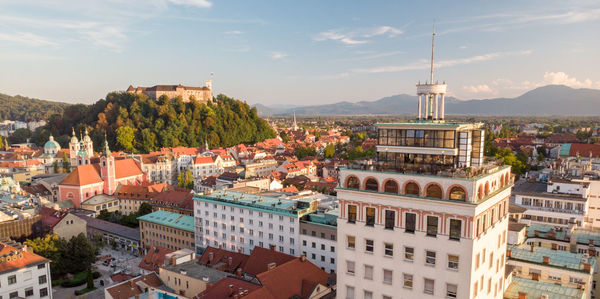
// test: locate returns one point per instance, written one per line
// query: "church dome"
(87, 138)
(51, 144)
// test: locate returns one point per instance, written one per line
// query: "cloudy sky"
(295, 52)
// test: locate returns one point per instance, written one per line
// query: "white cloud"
(27, 38)
(384, 30)
(277, 55)
(560, 78)
(333, 35)
(197, 3)
(478, 89)
(234, 32)
(357, 37)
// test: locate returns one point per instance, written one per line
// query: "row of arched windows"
(411, 188)
(484, 189)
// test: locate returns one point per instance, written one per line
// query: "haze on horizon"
(297, 53)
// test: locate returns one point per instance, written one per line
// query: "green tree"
(284, 137)
(50, 246)
(19, 136)
(144, 209)
(66, 165)
(185, 180)
(329, 151)
(1, 143)
(304, 151)
(90, 279)
(126, 138)
(148, 140)
(55, 166)
(81, 254)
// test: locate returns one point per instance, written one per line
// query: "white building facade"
(29, 281)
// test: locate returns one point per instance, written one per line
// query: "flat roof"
(540, 189)
(112, 228)
(428, 123)
(270, 204)
(535, 289)
(197, 271)
(99, 199)
(174, 220)
(558, 258)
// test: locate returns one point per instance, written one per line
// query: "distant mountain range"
(546, 100)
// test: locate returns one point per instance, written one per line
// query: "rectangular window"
(455, 229)
(368, 294)
(351, 213)
(389, 249)
(43, 292)
(430, 258)
(370, 217)
(390, 217)
(451, 290)
(432, 226)
(369, 246)
(409, 253)
(387, 276)
(411, 222)
(28, 292)
(428, 288)
(408, 281)
(12, 279)
(368, 272)
(42, 279)
(350, 267)
(351, 242)
(453, 262)
(349, 292)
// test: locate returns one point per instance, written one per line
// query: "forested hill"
(28, 109)
(135, 123)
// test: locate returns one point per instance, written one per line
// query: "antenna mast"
(432, 46)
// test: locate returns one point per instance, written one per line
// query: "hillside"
(28, 109)
(547, 100)
(135, 123)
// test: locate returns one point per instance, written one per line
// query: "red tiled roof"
(296, 277)
(179, 198)
(127, 168)
(228, 286)
(154, 258)
(120, 277)
(82, 175)
(290, 189)
(214, 256)
(18, 261)
(51, 217)
(129, 288)
(203, 160)
(584, 150)
(260, 258)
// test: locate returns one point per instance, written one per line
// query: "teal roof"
(271, 204)
(322, 218)
(565, 149)
(51, 144)
(583, 236)
(535, 289)
(558, 258)
(174, 220)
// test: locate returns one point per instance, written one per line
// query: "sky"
(296, 52)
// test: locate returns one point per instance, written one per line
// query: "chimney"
(591, 242)
(586, 267)
(508, 253)
(303, 258)
(229, 261)
(532, 248)
(546, 260)
(272, 247)
(522, 295)
(554, 246)
(230, 289)
(173, 260)
(238, 272)
(536, 233)
(271, 266)
(211, 256)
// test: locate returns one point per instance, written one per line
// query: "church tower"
(74, 146)
(83, 158)
(107, 170)
(88, 144)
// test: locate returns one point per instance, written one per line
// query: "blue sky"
(295, 52)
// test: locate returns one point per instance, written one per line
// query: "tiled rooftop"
(174, 220)
(558, 258)
(535, 289)
(271, 204)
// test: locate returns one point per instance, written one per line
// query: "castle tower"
(74, 146)
(433, 93)
(107, 170)
(88, 144)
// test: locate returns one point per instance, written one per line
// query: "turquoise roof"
(270, 204)
(326, 218)
(535, 289)
(583, 236)
(174, 220)
(565, 149)
(558, 258)
(51, 144)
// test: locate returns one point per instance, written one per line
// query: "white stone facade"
(28, 282)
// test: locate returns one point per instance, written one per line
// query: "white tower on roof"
(431, 92)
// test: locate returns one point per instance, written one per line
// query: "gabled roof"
(179, 198)
(18, 258)
(131, 288)
(260, 258)
(297, 277)
(220, 259)
(229, 286)
(82, 175)
(127, 168)
(204, 160)
(154, 258)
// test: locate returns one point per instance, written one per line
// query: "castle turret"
(107, 169)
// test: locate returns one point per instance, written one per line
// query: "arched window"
(371, 184)
(412, 188)
(507, 178)
(502, 181)
(480, 192)
(391, 186)
(352, 182)
(458, 193)
(434, 191)
(487, 188)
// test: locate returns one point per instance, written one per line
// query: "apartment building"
(238, 221)
(318, 239)
(23, 274)
(167, 229)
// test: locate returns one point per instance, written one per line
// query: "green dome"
(51, 144)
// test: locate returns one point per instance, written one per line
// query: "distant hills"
(546, 100)
(28, 109)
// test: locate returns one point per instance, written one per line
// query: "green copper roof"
(535, 289)
(327, 218)
(174, 220)
(565, 149)
(270, 204)
(558, 258)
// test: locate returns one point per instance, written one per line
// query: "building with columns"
(429, 217)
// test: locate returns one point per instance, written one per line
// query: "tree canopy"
(28, 109)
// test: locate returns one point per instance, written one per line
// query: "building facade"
(201, 94)
(166, 229)
(318, 240)
(23, 274)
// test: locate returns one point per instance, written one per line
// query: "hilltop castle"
(202, 94)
